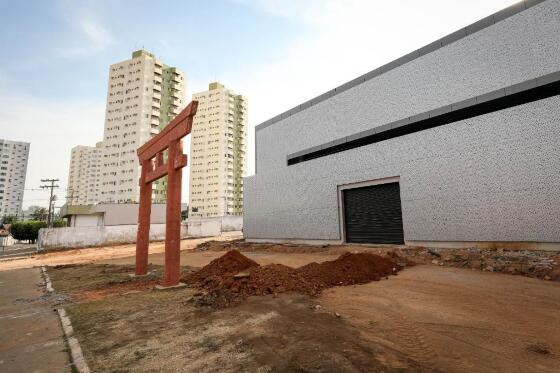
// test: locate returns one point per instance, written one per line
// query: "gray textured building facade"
(468, 126)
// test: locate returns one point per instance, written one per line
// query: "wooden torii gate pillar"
(154, 167)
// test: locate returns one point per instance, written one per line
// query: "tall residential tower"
(84, 175)
(143, 95)
(218, 154)
(13, 168)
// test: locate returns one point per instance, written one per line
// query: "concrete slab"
(31, 338)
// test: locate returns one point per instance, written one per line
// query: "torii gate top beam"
(178, 128)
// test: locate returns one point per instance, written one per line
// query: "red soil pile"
(269, 279)
(349, 269)
(231, 262)
(235, 276)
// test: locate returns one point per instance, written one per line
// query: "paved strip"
(31, 338)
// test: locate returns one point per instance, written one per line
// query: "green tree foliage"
(59, 223)
(9, 219)
(39, 213)
(27, 230)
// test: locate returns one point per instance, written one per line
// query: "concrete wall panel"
(489, 178)
(75, 237)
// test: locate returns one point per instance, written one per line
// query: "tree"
(39, 213)
(27, 230)
(9, 219)
(59, 223)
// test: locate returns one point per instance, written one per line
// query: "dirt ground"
(458, 320)
(92, 254)
(428, 317)
(131, 328)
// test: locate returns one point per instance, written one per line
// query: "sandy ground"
(201, 258)
(458, 320)
(443, 318)
(88, 255)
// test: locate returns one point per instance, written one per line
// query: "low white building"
(111, 214)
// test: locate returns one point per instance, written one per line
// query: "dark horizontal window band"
(518, 94)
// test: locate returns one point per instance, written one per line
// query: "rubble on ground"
(530, 263)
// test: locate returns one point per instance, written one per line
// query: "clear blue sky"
(62, 49)
(55, 57)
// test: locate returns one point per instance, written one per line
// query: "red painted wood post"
(144, 211)
(173, 215)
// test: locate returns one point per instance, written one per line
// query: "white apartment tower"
(218, 153)
(143, 96)
(13, 169)
(84, 175)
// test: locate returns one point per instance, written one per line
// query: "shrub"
(60, 223)
(27, 230)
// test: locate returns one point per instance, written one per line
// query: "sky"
(55, 57)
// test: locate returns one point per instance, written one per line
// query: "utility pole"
(51, 199)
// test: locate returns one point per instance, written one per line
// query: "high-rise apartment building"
(84, 175)
(218, 153)
(13, 169)
(143, 95)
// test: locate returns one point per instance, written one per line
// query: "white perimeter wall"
(206, 227)
(50, 238)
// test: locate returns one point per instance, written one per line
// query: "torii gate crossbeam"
(154, 166)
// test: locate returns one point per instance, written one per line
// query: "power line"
(52, 186)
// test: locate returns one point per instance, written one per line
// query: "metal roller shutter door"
(373, 214)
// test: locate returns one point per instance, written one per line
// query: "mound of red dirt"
(349, 269)
(235, 276)
(231, 262)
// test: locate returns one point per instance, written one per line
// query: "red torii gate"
(151, 159)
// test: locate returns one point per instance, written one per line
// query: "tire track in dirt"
(411, 338)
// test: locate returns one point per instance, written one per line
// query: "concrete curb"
(75, 350)
(48, 282)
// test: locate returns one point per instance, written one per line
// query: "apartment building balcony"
(157, 69)
(156, 105)
(157, 94)
(154, 121)
(175, 78)
(157, 79)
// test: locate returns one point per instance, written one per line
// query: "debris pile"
(233, 276)
(531, 263)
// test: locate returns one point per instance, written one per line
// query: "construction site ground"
(441, 315)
